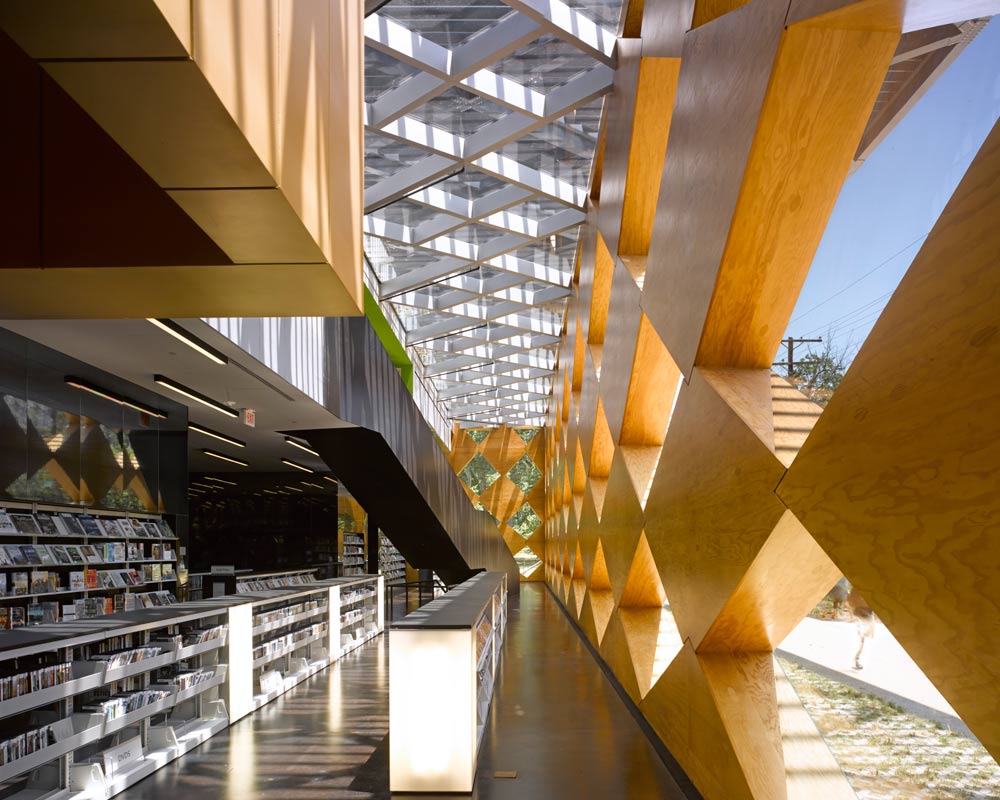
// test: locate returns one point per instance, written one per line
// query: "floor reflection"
(557, 721)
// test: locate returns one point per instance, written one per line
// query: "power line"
(846, 319)
(856, 282)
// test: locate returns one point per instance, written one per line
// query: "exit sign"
(249, 417)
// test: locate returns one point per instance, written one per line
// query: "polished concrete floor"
(556, 720)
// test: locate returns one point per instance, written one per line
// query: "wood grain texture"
(643, 587)
(619, 346)
(653, 107)
(899, 481)
(603, 448)
(615, 653)
(682, 711)
(743, 688)
(726, 68)
(712, 504)
(604, 267)
(651, 390)
(653, 642)
(621, 525)
(823, 86)
(786, 580)
(621, 106)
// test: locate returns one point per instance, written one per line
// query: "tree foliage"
(818, 374)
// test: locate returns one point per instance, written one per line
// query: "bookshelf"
(65, 562)
(391, 564)
(444, 709)
(353, 552)
(88, 707)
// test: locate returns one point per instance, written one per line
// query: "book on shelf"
(35, 614)
(17, 616)
(39, 582)
(4, 618)
(77, 581)
(50, 612)
(3, 584)
(20, 582)
(90, 578)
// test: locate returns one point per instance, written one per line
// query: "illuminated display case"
(442, 673)
(90, 706)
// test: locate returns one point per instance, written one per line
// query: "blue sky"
(892, 201)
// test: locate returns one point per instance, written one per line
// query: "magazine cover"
(165, 531)
(17, 617)
(105, 579)
(77, 581)
(50, 612)
(35, 614)
(30, 554)
(118, 578)
(90, 526)
(5, 559)
(4, 618)
(61, 556)
(45, 554)
(7, 524)
(20, 582)
(16, 555)
(46, 524)
(75, 554)
(90, 554)
(25, 523)
(72, 524)
(151, 530)
(108, 527)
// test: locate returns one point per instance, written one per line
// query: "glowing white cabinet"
(442, 669)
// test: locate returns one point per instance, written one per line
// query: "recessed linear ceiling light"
(219, 480)
(290, 463)
(332, 480)
(87, 386)
(192, 341)
(301, 446)
(294, 488)
(215, 435)
(224, 457)
(313, 485)
(198, 397)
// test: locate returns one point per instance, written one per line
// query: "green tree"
(818, 374)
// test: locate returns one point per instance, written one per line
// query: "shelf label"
(123, 756)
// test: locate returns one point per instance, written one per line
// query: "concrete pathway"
(888, 668)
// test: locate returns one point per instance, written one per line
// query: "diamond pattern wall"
(500, 470)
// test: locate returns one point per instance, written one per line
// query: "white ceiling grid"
(482, 120)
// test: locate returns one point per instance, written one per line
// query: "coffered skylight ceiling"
(482, 120)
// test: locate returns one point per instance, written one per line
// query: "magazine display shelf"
(152, 572)
(443, 660)
(94, 753)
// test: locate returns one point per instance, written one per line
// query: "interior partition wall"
(698, 506)
(68, 446)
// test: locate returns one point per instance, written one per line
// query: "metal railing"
(402, 598)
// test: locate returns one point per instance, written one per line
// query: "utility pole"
(790, 343)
